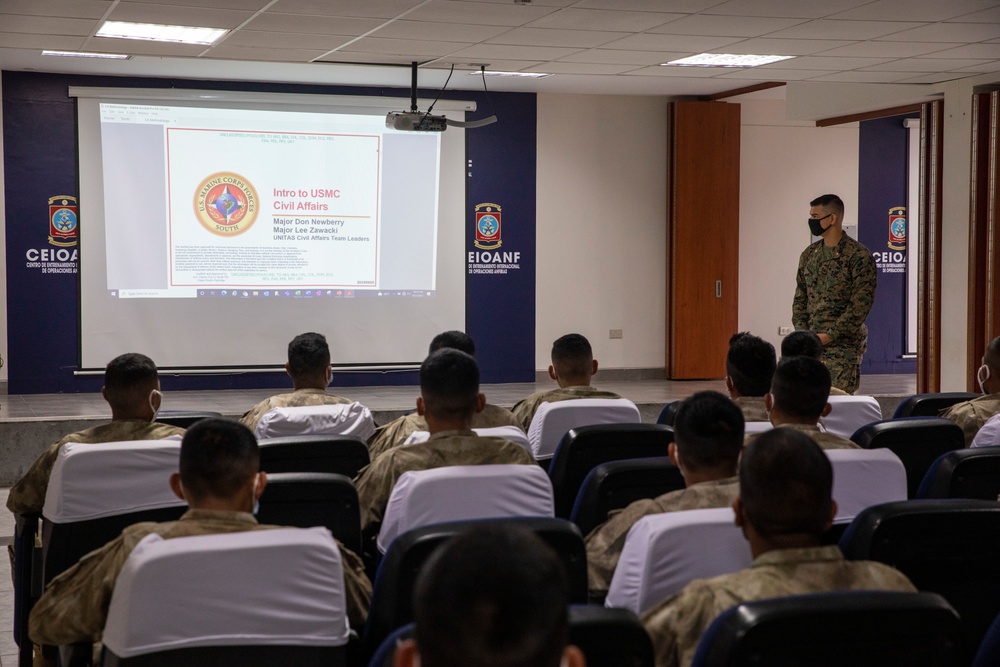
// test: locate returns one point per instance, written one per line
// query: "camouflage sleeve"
(388, 436)
(863, 281)
(604, 545)
(253, 415)
(27, 496)
(374, 484)
(357, 587)
(525, 410)
(800, 312)
(675, 625)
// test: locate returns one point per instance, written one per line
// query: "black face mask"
(816, 225)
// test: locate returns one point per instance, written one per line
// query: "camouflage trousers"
(844, 365)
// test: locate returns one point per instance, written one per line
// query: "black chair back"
(950, 547)
(184, 418)
(930, 405)
(616, 484)
(917, 441)
(964, 473)
(245, 656)
(306, 499)
(609, 637)
(584, 448)
(392, 597)
(668, 413)
(340, 454)
(857, 628)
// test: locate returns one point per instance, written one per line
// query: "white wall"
(601, 226)
(783, 165)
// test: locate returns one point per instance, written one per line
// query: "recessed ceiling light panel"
(527, 75)
(725, 60)
(161, 33)
(87, 54)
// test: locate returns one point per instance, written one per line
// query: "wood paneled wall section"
(929, 222)
(703, 210)
(984, 232)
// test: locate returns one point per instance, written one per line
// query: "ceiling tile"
(316, 25)
(863, 77)
(985, 16)
(827, 62)
(249, 5)
(783, 47)
(446, 32)
(553, 37)
(988, 51)
(360, 8)
(677, 72)
(948, 32)
(886, 49)
(678, 6)
(914, 10)
(284, 40)
(84, 9)
(724, 26)
(27, 40)
(784, 8)
(617, 57)
(581, 68)
(367, 58)
(143, 47)
(171, 15)
(45, 25)
(985, 68)
(925, 65)
(505, 52)
(851, 30)
(279, 55)
(603, 19)
(768, 74)
(450, 11)
(496, 65)
(934, 78)
(404, 47)
(675, 43)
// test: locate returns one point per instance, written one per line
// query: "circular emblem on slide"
(488, 225)
(64, 220)
(226, 204)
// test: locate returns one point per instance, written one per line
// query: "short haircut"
(308, 354)
(801, 344)
(495, 595)
(218, 458)
(572, 356)
(786, 483)
(449, 383)
(992, 355)
(832, 203)
(708, 431)
(456, 340)
(750, 364)
(801, 387)
(128, 380)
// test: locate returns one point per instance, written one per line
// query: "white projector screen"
(214, 227)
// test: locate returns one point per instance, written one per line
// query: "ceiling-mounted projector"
(415, 121)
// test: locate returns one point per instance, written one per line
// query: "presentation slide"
(201, 217)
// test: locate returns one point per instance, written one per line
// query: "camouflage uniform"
(297, 399)
(604, 543)
(676, 624)
(971, 415)
(525, 410)
(822, 438)
(835, 288)
(75, 604)
(445, 448)
(395, 432)
(28, 495)
(752, 407)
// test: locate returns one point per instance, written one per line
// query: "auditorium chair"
(255, 599)
(663, 553)
(340, 454)
(964, 473)
(989, 434)
(512, 433)
(856, 628)
(756, 427)
(184, 418)
(917, 441)
(460, 493)
(668, 413)
(335, 419)
(930, 405)
(950, 547)
(583, 448)
(862, 478)
(307, 499)
(617, 484)
(849, 413)
(988, 654)
(392, 595)
(554, 419)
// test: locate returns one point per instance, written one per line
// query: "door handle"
(718, 289)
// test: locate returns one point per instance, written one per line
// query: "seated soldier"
(132, 389)
(749, 366)
(708, 437)
(395, 432)
(971, 415)
(449, 397)
(806, 344)
(495, 595)
(220, 480)
(798, 399)
(784, 506)
(573, 366)
(309, 367)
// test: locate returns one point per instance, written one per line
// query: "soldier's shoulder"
(854, 247)
(809, 251)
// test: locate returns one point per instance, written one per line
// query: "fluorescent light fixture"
(725, 60)
(161, 33)
(82, 54)
(527, 75)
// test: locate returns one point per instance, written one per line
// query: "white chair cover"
(757, 427)
(865, 477)
(989, 434)
(338, 419)
(663, 553)
(512, 433)
(552, 420)
(849, 413)
(90, 481)
(457, 493)
(263, 587)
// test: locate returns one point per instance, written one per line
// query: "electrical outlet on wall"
(784, 331)
(614, 334)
